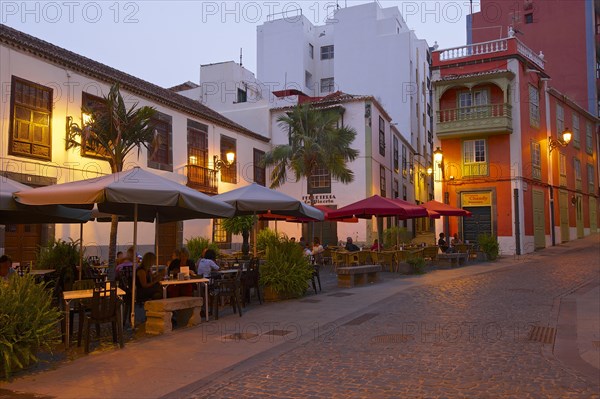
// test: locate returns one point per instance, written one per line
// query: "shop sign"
(320, 199)
(477, 199)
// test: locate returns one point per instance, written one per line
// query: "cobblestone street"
(467, 337)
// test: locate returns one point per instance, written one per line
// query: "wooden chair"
(105, 308)
(462, 249)
(363, 257)
(430, 253)
(387, 259)
(326, 256)
(316, 278)
(338, 259)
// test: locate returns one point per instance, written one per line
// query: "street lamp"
(562, 141)
(229, 159)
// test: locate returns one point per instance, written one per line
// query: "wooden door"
(579, 215)
(593, 215)
(167, 241)
(22, 241)
(479, 223)
(563, 204)
(539, 221)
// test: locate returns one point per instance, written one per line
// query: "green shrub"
(197, 245)
(266, 237)
(286, 270)
(417, 264)
(28, 322)
(489, 245)
(63, 257)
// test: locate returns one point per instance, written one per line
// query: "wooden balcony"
(202, 179)
(475, 120)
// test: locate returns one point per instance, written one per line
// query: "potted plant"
(489, 246)
(286, 271)
(240, 225)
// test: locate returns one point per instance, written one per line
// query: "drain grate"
(340, 294)
(240, 336)
(310, 300)
(361, 319)
(280, 333)
(541, 334)
(392, 339)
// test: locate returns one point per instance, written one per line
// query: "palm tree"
(240, 225)
(113, 132)
(315, 142)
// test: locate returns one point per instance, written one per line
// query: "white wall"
(69, 165)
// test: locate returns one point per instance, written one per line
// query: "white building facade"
(45, 84)
(385, 165)
(360, 49)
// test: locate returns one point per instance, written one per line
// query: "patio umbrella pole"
(135, 217)
(80, 250)
(156, 242)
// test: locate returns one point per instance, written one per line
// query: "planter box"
(271, 296)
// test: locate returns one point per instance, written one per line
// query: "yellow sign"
(477, 199)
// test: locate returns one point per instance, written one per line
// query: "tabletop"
(40, 272)
(191, 280)
(84, 294)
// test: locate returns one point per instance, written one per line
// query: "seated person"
(376, 246)
(207, 264)
(350, 246)
(307, 251)
(317, 251)
(126, 261)
(455, 240)
(183, 259)
(6, 269)
(148, 286)
(442, 242)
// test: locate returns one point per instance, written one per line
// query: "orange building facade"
(499, 124)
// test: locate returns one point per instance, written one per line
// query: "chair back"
(124, 279)
(87, 284)
(104, 301)
(402, 256)
(363, 256)
(431, 252)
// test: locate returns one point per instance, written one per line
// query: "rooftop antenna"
(241, 56)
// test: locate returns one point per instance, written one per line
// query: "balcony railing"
(202, 179)
(509, 45)
(494, 46)
(491, 118)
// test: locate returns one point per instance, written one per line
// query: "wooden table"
(68, 296)
(205, 281)
(39, 274)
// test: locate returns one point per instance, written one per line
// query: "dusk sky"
(165, 42)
